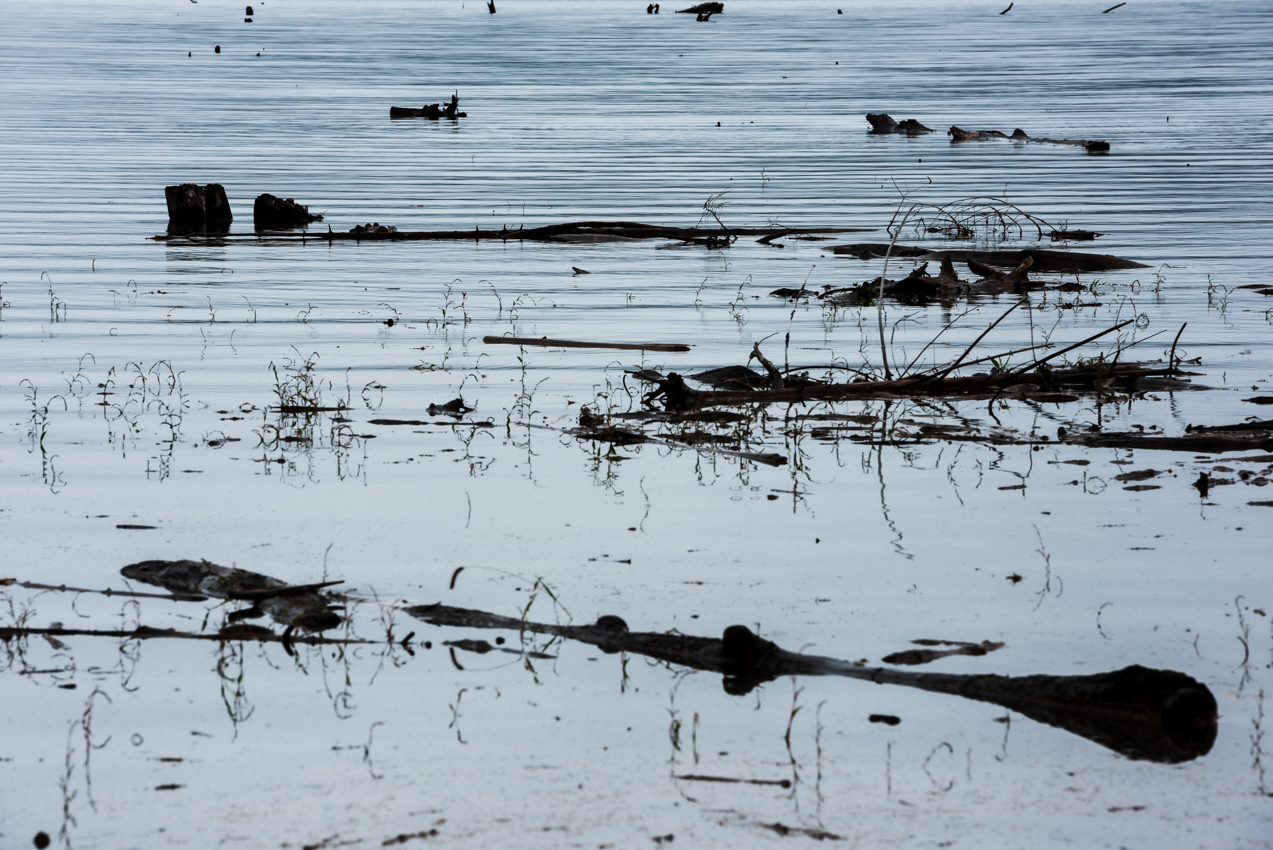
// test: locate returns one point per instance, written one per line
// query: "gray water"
(595, 110)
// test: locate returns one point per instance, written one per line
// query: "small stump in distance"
(273, 213)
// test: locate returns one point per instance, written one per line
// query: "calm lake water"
(137, 377)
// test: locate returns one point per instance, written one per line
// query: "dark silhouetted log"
(572, 232)
(1019, 135)
(1042, 260)
(545, 342)
(703, 9)
(1154, 715)
(882, 123)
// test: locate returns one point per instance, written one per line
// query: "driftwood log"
(883, 124)
(1153, 715)
(576, 232)
(193, 206)
(1041, 260)
(1019, 135)
(270, 212)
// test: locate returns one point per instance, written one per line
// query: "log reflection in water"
(1142, 713)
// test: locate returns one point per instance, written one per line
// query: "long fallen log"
(1153, 715)
(570, 232)
(1197, 442)
(1019, 135)
(545, 342)
(1042, 260)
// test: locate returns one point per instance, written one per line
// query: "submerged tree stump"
(198, 207)
(270, 212)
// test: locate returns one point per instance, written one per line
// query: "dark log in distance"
(883, 124)
(703, 8)
(1042, 260)
(545, 342)
(576, 232)
(1147, 714)
(1019, 135)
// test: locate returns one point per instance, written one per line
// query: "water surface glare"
(138, 377)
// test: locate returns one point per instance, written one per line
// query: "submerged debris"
(303, 607)
(912, 657)
(373, 227)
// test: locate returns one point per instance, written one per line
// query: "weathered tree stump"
(271, 213)
(191, 206)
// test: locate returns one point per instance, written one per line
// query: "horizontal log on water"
(1019, 135)
(545, 342)
(571, 232)
(1142, 713)
(1043, 260)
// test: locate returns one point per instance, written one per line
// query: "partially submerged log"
(270, 212)
(1153, 715)
(545, 342)
(703, 9)
(295, 606)
(575, 232)
(191, 206)
(1019, 135)
(1041, 260)
(883, 124)
(1199, 439)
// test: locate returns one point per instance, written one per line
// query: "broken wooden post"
(191, 206)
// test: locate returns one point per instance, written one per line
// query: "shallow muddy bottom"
(137, 390)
